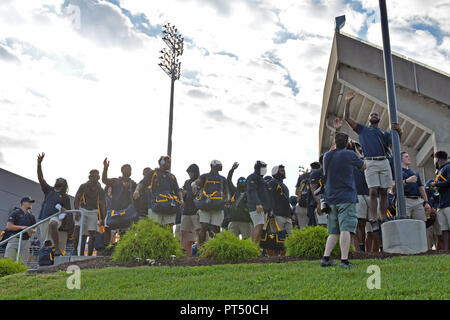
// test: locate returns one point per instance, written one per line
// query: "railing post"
(19, 248)
(81, 234)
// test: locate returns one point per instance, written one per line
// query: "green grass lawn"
(416, 277)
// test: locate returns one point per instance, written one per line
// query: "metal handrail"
(20, 234)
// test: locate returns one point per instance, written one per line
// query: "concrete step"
(60, 260)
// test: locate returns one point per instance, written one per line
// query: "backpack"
(46, 256)
(165, 202)
(212, 201)
(302, 198)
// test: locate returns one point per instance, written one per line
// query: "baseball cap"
(26, 199)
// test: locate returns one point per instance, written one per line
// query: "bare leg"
(361, 232)
(446, 238)
(91, 243)
(344, 242)
(355, 242)
(256, 234)
(373, 193)
(384, 204)
(53, 229)
(331, 243)
(203, 230)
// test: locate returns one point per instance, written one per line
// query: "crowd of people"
(350, 190)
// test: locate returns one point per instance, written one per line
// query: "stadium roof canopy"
(423, 97)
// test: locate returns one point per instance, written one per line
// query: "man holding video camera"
(340, 198)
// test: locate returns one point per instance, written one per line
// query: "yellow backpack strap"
(153, 178)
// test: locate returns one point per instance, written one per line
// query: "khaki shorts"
(362, 207)
(13, 246)
(378, 174)
(78, 223)
(258, 218)
(415, 209)
(302, 216)
(444, 218)
(243, 228)
(45, 234)
(190, 223)
(284, 223)
(214, 218)
(162, 219)
(90, 220)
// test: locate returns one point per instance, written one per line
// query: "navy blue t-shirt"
(20, 218)
(411, 189)
(373, 140)
(189, 206)
(52, 198)
(443, 183)
(360, 182)
(340, 185)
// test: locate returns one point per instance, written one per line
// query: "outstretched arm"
(230, 178)
(348, 98)
(105, 180)
(42, 182)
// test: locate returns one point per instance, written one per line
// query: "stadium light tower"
(169, 62)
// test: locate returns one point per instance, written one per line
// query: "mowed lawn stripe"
(414, 277)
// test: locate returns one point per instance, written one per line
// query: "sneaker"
(327, 263)
(346, 265)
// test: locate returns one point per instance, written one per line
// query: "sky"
(80, 81)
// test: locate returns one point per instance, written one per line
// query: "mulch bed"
(104, 262)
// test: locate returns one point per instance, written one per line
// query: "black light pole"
(392, 105)
(171, 66)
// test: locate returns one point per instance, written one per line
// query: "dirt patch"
(104, 262)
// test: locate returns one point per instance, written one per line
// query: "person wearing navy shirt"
(442, 182)
(55, 196)
(190, 221)
(20, 219)
(303, 192)
(415, 196)
(315, 182)
(374, 143)
(341, 197)
(240, 221)
(161, 181)
(434, 233)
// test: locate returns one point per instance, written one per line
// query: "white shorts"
(162, 219)
(363, 207)
(90, 220)
(284, 223)
(302, 216)
(190, 223)
(45, 234)
(214, 218)
(258, 218)
(444, 218)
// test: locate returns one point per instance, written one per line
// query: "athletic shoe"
(346, 265)
(327, 263)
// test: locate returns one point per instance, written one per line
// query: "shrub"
(147, 240)
(309, 242)
(225, 246)
(8, 266)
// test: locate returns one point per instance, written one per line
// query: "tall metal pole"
(169, 142)
(392, 105)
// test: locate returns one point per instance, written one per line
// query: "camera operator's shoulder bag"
(46, 256)
(122, 219)
(272, 239)
(163, 202)
(212, 201)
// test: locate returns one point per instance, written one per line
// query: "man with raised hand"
(55, 197)
(375, 144)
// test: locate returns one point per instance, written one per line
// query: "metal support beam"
(426, 151)
(416, 146)
(358, 116)
(409, 136)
